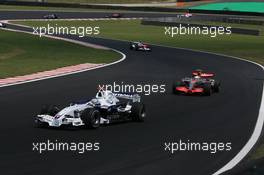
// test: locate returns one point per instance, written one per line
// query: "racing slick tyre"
(91, 118)
(49, 110)
(133, 47)
(174, 91)
(175, 85)
(138, 112)
(39, 124)
(207, 90)
(216, 86)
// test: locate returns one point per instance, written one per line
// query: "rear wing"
(133, 97)
(203, 74)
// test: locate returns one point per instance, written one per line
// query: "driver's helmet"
(100, 94)
(198, 73)
(108, 96)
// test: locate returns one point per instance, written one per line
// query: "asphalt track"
(135, 148)
(4, 15)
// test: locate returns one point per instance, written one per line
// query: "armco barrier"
(234, 30)
(243, 21)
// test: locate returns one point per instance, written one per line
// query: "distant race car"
(2, 25)
(114, 15)
(51, 16)
(200, 83)
(105, 108)
(140, 46)
(186, 15)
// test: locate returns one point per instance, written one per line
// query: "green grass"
(233, 6)
(22, 54)
(244, 46)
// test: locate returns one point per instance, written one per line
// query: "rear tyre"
(207, 90)
(216, 87)
(138, 112)
(91, 118)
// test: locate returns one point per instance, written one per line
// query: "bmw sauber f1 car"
(50, 16)
(139, 46)
(2, 25)
(105, 108)
(114, 15)
(200, 83)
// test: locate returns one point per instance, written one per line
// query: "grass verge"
(258, 154)
(22, 54)
(244, 46)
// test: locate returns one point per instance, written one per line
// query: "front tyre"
(138, 112)
(39, 124)
(132, 47)
(174, 87)
(91, 118)
(51, 110)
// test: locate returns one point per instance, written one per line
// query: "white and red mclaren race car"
(200, 83)
(140, 46)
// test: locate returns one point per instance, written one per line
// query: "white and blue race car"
(107, 107)
(2, 25)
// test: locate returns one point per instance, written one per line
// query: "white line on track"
(259, 124)
(258, 127)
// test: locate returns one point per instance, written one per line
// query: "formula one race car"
(2, 25)
(105, 108)
(114, 15)
(185, 15)
(139, 46)
(200, 83)
(51, 16)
